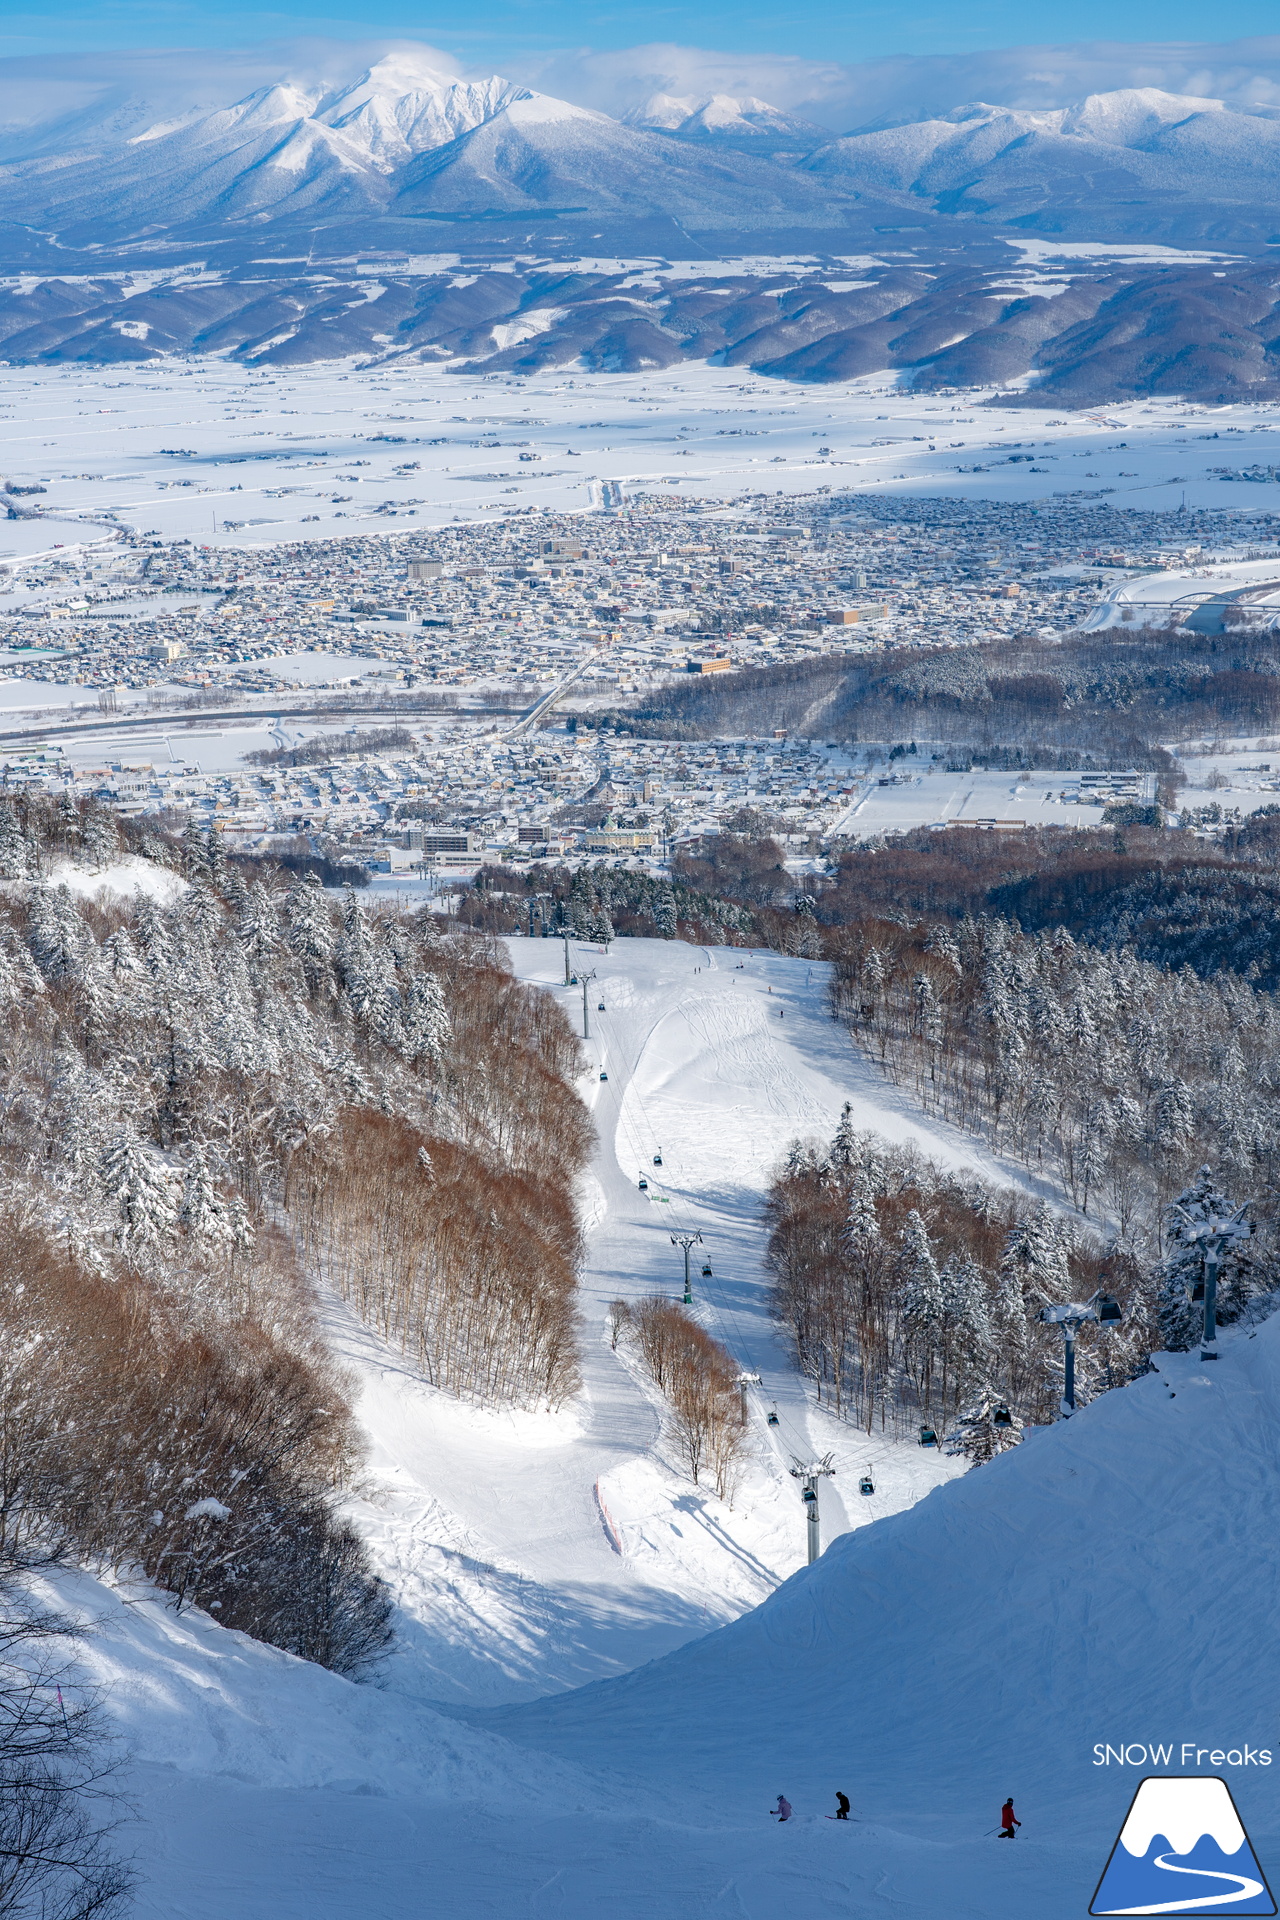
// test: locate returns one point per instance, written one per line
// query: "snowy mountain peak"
(723, 116)
(663, 111)
(1132, 114)
(528, 109)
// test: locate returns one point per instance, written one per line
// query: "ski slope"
(597, 1697)
(531, 1552)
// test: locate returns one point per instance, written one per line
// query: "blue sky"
(824, 30)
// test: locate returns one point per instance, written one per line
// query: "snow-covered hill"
(535, 1552)
(1111, 1581)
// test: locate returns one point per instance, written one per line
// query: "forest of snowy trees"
(909, 1293)
(211, 1095)
(1111, 1075)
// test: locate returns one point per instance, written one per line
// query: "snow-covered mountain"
(409, 138)
(1137, 142)
(745, 122)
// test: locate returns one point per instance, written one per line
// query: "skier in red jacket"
(1008, 1820)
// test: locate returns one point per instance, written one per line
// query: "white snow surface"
(121, 879)
(271, 457)
(1111, 1580)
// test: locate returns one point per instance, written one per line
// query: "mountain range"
(408, 141)
(290, 226)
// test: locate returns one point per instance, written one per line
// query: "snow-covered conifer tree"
(976, 1434)
(844, 1142)
(138, 1192)
(1181, 1319)
(425, 1019)
(57, 935)
(101, 841)
(202, 1214)
(17, 855)
(308, 932)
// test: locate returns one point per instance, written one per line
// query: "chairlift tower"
(1215, 1236)
(687, 1240)
(1071, 1315)
(746, 1380)
(586, 979)
(811, 1471)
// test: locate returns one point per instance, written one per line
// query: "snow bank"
(188, 1695)
(122, 878)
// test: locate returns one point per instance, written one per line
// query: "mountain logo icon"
(1183, 1850)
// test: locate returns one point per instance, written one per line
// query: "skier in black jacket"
(842, 1806)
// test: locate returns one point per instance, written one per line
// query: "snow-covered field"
(260, 457)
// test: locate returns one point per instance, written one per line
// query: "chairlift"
(928, 1438)
(771, 1417)
(657, 1159)
(644, 1184)
(866, 1485)
(1002, 1416)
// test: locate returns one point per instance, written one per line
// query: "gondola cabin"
(866, 1484)
(928, 1438)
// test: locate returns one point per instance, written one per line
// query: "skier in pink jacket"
(783, 1808)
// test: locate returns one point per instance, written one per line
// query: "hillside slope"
(1111, 1580)
(532, 1553)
